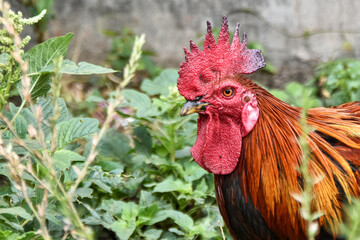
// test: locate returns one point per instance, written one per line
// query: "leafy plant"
(120, 52)
(295, 92)
(170, 195)
(66, 177)
(338, 81)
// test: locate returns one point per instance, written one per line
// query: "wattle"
(218, 144)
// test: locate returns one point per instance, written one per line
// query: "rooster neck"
(266, 175)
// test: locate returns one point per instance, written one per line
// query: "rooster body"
(249, 140)
(256, 200)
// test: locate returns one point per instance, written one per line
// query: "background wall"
(296, 35)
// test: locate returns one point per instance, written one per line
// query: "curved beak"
(193, 107)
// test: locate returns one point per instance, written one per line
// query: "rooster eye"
(228, 92)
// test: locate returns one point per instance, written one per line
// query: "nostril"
(198, 98)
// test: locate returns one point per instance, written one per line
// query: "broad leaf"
(43, 55)
(70, 130)
(32, 145)
(170, 185)
(83, 68)
(63, 158)
(17, 211)
(40, 57)
(161, 84)
(179, 218)
(141, 102)
(20, 122)
(123, 229)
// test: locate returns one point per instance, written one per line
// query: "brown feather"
(271, 155)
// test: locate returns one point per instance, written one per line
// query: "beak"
(193, 107)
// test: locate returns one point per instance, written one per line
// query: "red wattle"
(218, 144)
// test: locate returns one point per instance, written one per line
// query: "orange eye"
(228, 92)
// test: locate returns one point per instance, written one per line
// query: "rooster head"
(228, 111)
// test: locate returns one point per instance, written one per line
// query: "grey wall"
(296, 35)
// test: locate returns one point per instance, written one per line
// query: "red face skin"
(226, 118)
(231, 114)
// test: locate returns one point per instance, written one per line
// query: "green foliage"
(294, 93)
(120, 52)
(11, 25)
(351, 228)
(338, 81)
(167, 195)
(66, 177)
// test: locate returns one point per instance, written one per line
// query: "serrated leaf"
(102, 185)
(193, 171)
(84, 192)
(143, 141)
(31, 145)
(141, 102)
(63, 158)
(181, 219)
(152, 234)
(170, 185)
(16, 211)
(123, 229)
(161, 84)
(41, 56)
(20, 122)
(83, 68)
(70, 130)
(13, 225)
(114, 144)
(112, 206)
(146, 213)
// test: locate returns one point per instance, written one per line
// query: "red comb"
(216, 61)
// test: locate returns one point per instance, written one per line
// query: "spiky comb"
(216, 61)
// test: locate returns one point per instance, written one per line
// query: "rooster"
(249, 140)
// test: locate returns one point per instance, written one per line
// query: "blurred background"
(144, 173)
(296, 36)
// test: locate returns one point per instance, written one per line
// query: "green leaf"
(84, 192)
(125, 226)
(83, 68)
(16, 211)
(112, 206)
(40, 57)
(146, 213)
(143, 141)
(4, 59)
(170, 185)
(123, 229)
(193, 171)
(181, 219)
(73, 129)
(114, 144)
(152, 234)
(161, 84)
(102, 185)
(63, 158)
(20, 122)
(32, 145)
(141, 102)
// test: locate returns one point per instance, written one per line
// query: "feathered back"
(272, 153)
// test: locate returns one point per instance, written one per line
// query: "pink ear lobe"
(249, 117)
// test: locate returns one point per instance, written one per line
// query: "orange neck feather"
(271, 155)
